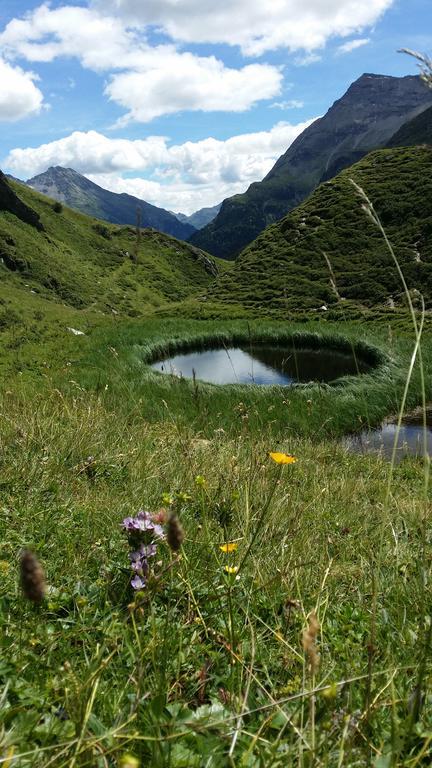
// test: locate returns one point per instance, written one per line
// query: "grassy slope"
(204, 668)
(285, 267)
(77, 274)
(83, 263)
(364, 119)
(93, 673)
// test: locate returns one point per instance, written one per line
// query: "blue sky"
(185, 103)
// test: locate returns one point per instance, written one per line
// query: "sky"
(185, 102)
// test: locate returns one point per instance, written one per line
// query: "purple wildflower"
(137, 582)
(141, 532)
(142, 523)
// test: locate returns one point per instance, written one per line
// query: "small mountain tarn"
(264, 364)
(413, 435)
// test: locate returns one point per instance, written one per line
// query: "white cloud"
(99, 41)
(352, 45)
(254, 25)
(148, 81)
(307, 59)
(290, 104)
(19, 96)
(182, 177)
(187, 82)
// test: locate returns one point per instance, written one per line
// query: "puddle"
(381, 440)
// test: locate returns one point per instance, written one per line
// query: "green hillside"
(86, 264)
(287, 266)
(283, 611)
(416, 131)
(366, 117)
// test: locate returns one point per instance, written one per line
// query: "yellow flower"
(4, 566)
(231, 568)
(283, 458)
(230, 546)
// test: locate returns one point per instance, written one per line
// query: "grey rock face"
(364, 119)
(200, 218)
(69, 187)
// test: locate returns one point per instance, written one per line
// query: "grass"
(86, 265)
(208, 666)
(204, 668)
(326, 250)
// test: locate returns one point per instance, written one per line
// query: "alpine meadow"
(216, 385)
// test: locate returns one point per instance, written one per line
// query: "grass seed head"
(175, 533)
(32, 577)
(310, 635)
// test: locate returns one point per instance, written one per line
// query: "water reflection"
(411, 438)
(263, 365)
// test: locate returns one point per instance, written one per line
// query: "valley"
(226, 579)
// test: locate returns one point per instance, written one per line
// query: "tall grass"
(291, 627)
(205, 668)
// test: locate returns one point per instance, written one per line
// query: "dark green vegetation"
(415, 131)
(67, 186)
(205, 667)
(365, 118)
(327, 250)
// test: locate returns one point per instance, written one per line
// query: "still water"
(263, 365)
(410, 441)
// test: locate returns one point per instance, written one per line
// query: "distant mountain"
(415, 131)
(200, 218)
(327, 250)
(69, 187)
(365, 118)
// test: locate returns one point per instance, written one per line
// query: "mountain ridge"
(77, 191)
(327, 250)
(369, 113)
(67, 258)
(201, 217)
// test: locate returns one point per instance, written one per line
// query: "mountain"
(365, 118)
(415, 131)
(69, 187)
(55, 254)
(328, 250)
(200, 218)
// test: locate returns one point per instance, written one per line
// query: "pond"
(410, 441)
(263, 365)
